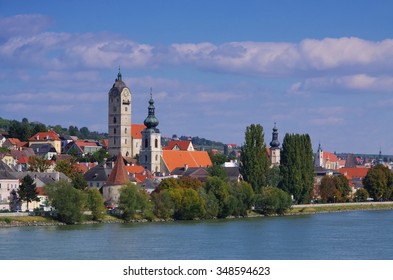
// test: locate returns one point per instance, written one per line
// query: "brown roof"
(119, 175)
(174, 159)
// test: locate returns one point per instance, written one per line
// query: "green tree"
(244, 197)
(218, 171)
(68, 201)
(273, 200)
(379, 182)
(38, 164)
(100, 156)
(361, 195)
(189, 182)
(274, 176)
(95, 203)
(254, 161)
(132, 200)
(163, 204)
(220, 189)
(217, 158)
(343, 188)
(297, 167)
(27, 190)
(188, 204)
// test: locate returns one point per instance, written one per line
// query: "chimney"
(185, 167)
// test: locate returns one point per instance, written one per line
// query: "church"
(148, 149)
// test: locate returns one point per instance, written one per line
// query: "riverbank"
(21, 221)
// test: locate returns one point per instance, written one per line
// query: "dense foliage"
(254, 161)
(297, 167)
(379, 182)
(68, 201)
(273, 200)
(334, 189)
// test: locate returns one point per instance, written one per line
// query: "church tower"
(119, 119)
(275, 148)
(151, 151)
(318, 159)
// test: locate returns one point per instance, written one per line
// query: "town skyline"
(215, 68)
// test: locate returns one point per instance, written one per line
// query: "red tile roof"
(174, 159)
(13, 141)
(23, 160)
(49, 135)
(135, 169)
(181, 145)
(119, 175)
(327, 156)
(136, 130)
(355, 172)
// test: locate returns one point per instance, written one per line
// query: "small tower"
(116, 180)
(151, 151)
(318, 158)
(275, 148)
(119, 119)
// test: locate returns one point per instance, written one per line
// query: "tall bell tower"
(151, 151)
(119, 119)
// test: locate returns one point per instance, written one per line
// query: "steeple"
(275, 143)
(151, 122)
(119, 75)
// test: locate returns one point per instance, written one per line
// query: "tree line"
(25, 129)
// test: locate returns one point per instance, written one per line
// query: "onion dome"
(151, 122)
(275, 143)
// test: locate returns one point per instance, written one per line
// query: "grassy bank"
(311, 209)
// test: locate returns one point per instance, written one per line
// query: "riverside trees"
(296, 167)
(379, 182)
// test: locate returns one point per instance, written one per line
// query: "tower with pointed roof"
(116, 180)
(119, 119)
(275, 148)
(151, 151)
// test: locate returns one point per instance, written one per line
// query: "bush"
(273, 200)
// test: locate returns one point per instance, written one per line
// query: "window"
(126, 108)
(114, 141)
(114, 108)
(114, 120)
(156, 143)
(146, 143)
(125, 141)
(156, 157)
(125, 130)
(114, 130)
(145, 158)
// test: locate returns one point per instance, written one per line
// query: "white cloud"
(360, 82)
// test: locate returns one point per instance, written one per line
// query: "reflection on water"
(349, 235)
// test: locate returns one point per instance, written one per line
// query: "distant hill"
(24, 130)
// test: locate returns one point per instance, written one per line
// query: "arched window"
(114, 130)
(156, 143)
(146, 143)
(125, 130)
(114, 120)
(145, 158)
(127, 154)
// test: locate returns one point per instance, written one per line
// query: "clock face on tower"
(126, 93)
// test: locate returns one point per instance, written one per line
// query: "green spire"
(119, 75)
(151, 122)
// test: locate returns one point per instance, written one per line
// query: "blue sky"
(319, 67)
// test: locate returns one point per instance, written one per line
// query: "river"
(354, 235)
